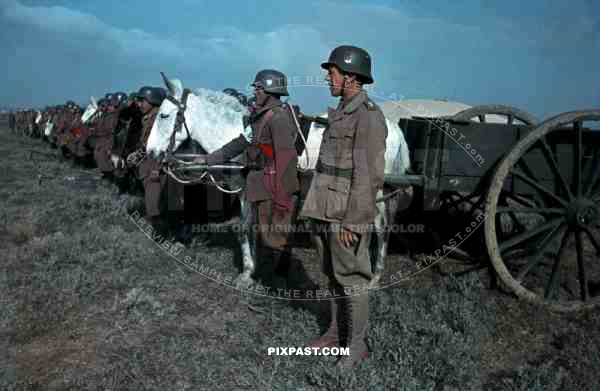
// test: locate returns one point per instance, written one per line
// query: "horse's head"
(166, 118)
(210, 118)
(90, 110)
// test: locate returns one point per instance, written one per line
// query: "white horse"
(213, 119)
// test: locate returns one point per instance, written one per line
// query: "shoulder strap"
(370, 105)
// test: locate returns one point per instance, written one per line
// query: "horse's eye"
(164, 116)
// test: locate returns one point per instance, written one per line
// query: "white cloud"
(418, 56)
(78, 28)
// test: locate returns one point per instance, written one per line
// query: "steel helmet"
(154, 95)
(118, 99)
(351, 59)
(272, 82)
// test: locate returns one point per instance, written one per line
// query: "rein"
(180, 121)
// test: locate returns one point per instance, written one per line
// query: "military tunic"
(149, 169)
(350, 170)
(104, 140)
(83, 144)
(272, 179)
(127, 135)
(11, 121)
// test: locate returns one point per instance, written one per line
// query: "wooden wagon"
(537, 187)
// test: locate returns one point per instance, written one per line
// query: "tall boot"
(281, 262)
(159, 225)
(331, 337)
(122, 182)
(355, 319)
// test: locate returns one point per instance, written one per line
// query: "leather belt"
(334, 171)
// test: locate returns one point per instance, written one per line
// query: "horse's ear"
(169, 84)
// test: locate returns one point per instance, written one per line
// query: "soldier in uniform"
(18, 121)
(71, 115)
(125, 138)
(12, 122)
(148, 100)
(83, 147)
(272, 159)
(62, 125)
(104, 134)
(57, 122)
(341, 197)
(76, 129)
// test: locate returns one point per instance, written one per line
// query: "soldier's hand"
(347, 237)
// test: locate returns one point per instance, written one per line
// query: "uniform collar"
(353, 103)
(269, 104)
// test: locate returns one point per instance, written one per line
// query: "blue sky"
(541, 56)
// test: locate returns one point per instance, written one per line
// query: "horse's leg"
(247, 245)
(382, 237)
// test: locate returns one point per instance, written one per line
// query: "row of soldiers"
(111, 134)
(341, 194)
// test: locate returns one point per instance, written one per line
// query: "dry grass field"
(89, 302)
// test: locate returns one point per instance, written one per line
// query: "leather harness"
(180, 120)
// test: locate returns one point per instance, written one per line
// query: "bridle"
(206, 177)
(180, 120)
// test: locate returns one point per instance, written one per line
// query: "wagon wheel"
(565, 199)
(511, 114)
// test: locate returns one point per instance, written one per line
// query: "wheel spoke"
(554, 166)
(523, 201)
(577, 157)
(521, 163)
(558, 211)
(580, 266)
(540, 251)
(552, 285)
(540, 188)
(593, 240)
(529, 234)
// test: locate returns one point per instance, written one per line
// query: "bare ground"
(90, 303)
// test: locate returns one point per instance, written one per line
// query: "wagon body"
(537, 185)
(460, 156)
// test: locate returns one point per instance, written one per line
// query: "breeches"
(102, 154)
(274, 226)
(154, 182)
(347, 267)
